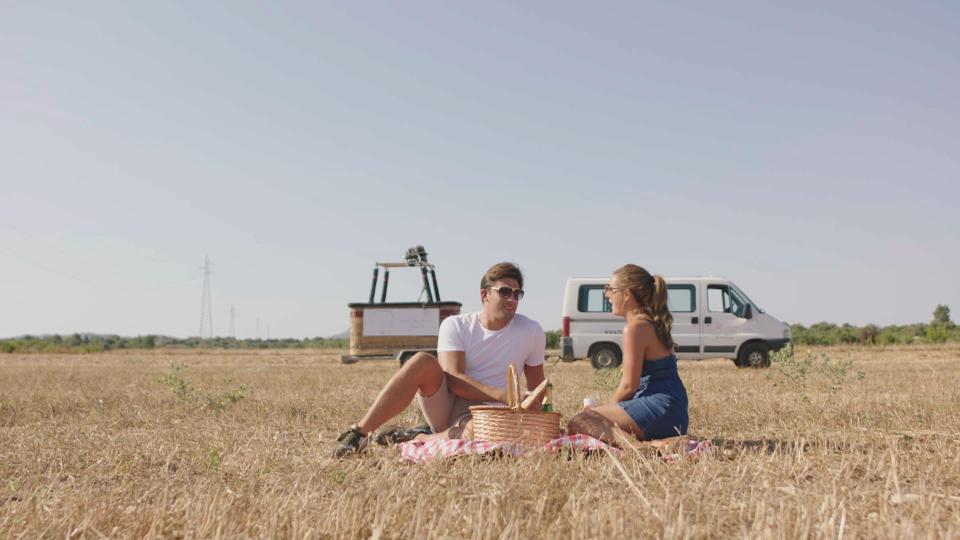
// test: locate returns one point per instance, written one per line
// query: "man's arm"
(453, 363)
(534, 376)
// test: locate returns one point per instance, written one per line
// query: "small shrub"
(836, 370)
(177, 383)
(186, 392)
(789, 367)
(936, 333)
(553, 338)
(228, 397)
(795, 370)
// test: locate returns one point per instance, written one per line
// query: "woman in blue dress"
(650, 402)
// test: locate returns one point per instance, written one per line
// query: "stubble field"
(122, 445)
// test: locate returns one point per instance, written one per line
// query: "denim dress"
(659, 406)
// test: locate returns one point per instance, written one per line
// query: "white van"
(712, 318)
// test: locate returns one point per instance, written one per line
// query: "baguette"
(537, 393)
(512, 394)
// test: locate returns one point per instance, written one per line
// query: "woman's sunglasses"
(507, 292)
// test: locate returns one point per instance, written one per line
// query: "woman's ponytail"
(662, 318)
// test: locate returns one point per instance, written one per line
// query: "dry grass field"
(98, 445)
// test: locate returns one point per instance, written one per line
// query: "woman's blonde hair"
(650, 292)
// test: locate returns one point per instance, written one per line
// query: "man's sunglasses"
(506, 292)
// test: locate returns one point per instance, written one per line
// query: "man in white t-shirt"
(474, 351)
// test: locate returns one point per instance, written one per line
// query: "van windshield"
(745, 298)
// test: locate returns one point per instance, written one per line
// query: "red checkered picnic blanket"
(421, 452)
(691, 449)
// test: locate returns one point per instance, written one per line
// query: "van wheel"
(754, 355)
(605, 357)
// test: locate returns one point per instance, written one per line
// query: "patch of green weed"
(218, 401)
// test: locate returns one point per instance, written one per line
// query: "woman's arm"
(634, 347)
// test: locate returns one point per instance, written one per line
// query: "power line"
(73, 255)
(233, 331)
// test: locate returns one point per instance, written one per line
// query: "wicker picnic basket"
(515, 423)
(502, 424)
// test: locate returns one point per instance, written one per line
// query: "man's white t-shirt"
(487, 353)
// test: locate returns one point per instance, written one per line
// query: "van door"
(594, 321)
(722, 322)
(682, 300)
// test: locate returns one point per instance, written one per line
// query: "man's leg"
(421, 373)
(461, 430)
(460, 421)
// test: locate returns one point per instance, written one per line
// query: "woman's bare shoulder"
(639, 329)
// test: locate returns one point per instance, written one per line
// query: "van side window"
(681, 298)
(720, 299)
(590, 299)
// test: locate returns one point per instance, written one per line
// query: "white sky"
(810, 154)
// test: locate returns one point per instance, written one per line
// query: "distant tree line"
(87, 343)
(940, 330)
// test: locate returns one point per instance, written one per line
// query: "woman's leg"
(599, 421)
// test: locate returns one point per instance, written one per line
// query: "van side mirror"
(748, 311)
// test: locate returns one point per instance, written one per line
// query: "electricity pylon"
(206, 306)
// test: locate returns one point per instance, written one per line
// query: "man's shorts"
(442, 409)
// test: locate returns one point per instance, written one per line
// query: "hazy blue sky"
(811, 154)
